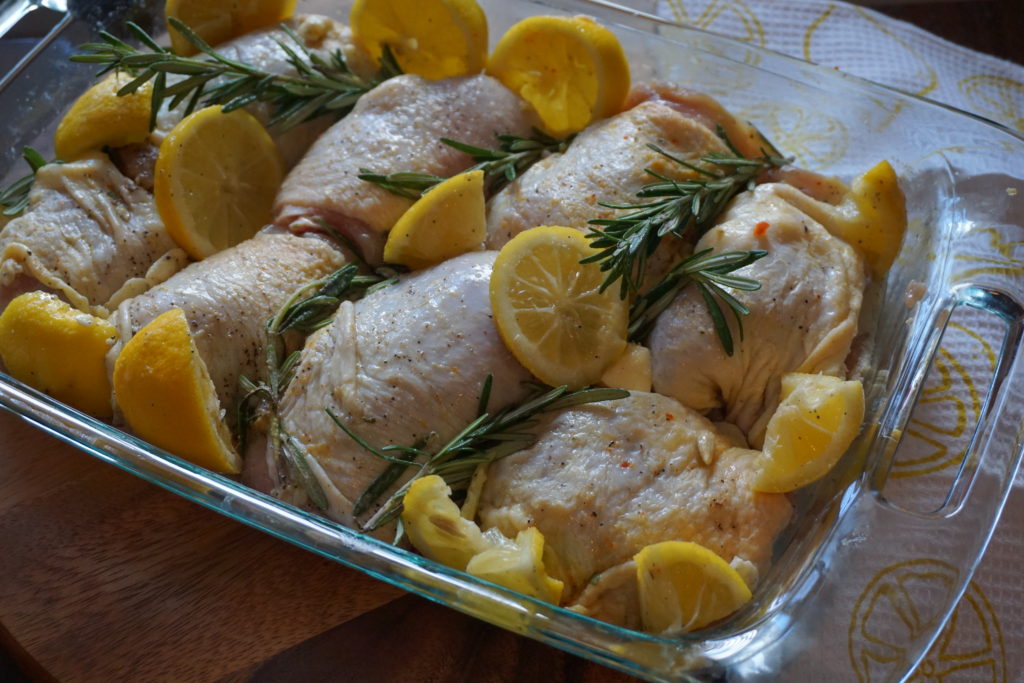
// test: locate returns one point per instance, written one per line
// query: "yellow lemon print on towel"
(732, 18)
(815, 139)
(827, 34)
(900, 604)
(992, 254)
(949, 407)
(996, 97)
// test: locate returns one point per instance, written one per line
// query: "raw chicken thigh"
(604, 480)
(606, 163)
(396, 127)
(802, 319)
(227, 300)
(89, 234)
(404, 364)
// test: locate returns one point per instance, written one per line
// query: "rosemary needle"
(501, 165)
(320, 87)
(710, 272)
(628, 240)
(14, 198)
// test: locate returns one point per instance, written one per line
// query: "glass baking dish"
(961, 175)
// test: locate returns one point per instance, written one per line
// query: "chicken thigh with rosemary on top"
(397, 126)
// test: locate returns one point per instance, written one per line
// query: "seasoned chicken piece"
(89, 234)
(802, 319)
(605, 163)
(228, 299)
(743, 136)
(404, 365)
(703, 109)
(396, 127)
(604, 480)
(262, 49)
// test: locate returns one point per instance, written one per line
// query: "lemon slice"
(430, 38)
(816, 421)
(571, 69)
(435, 525)
(881, 218)
(167, 397)
(99, 118)
(59, 350)
(216, 21)
(447, 221)
(550, 311)
(684, 587)
(216, 178)
(518, 566)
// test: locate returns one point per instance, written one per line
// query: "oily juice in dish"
(601, 500)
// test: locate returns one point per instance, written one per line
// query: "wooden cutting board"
(106, 577)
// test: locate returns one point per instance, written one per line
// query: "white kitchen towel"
(866, 43)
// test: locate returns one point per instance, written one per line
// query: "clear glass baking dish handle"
(890, 576)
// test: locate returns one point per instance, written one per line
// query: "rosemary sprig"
(322, 87)
(14, 198)
(501, 166)
(628, 240)
(484, 440)
(308, 309)
(710, 272)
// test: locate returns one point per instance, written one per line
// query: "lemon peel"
(219, 21)
(431, 38)
(882, 217)
(518, 565)
(447, 221)
(99, 118)
(818, 418)
(684, 586)
(631, 370)
(571, 69)
(55, 348)
(167, 397)
(436, 527)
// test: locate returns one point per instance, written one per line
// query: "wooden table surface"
(105, 577)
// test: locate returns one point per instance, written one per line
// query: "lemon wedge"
(436, 527)
(167, 397)
(216, 178)
(881, 218)
(684, 586)
(447, 221)
(518, 565)
(550, 311)
(571, 69)
(631, 370)
(99, 118)
(816, 421)
(431, 38)
(216, 21)
(57, 349)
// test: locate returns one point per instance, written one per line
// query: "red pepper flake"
(626, 464)
(669, 416)
(761, 228)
